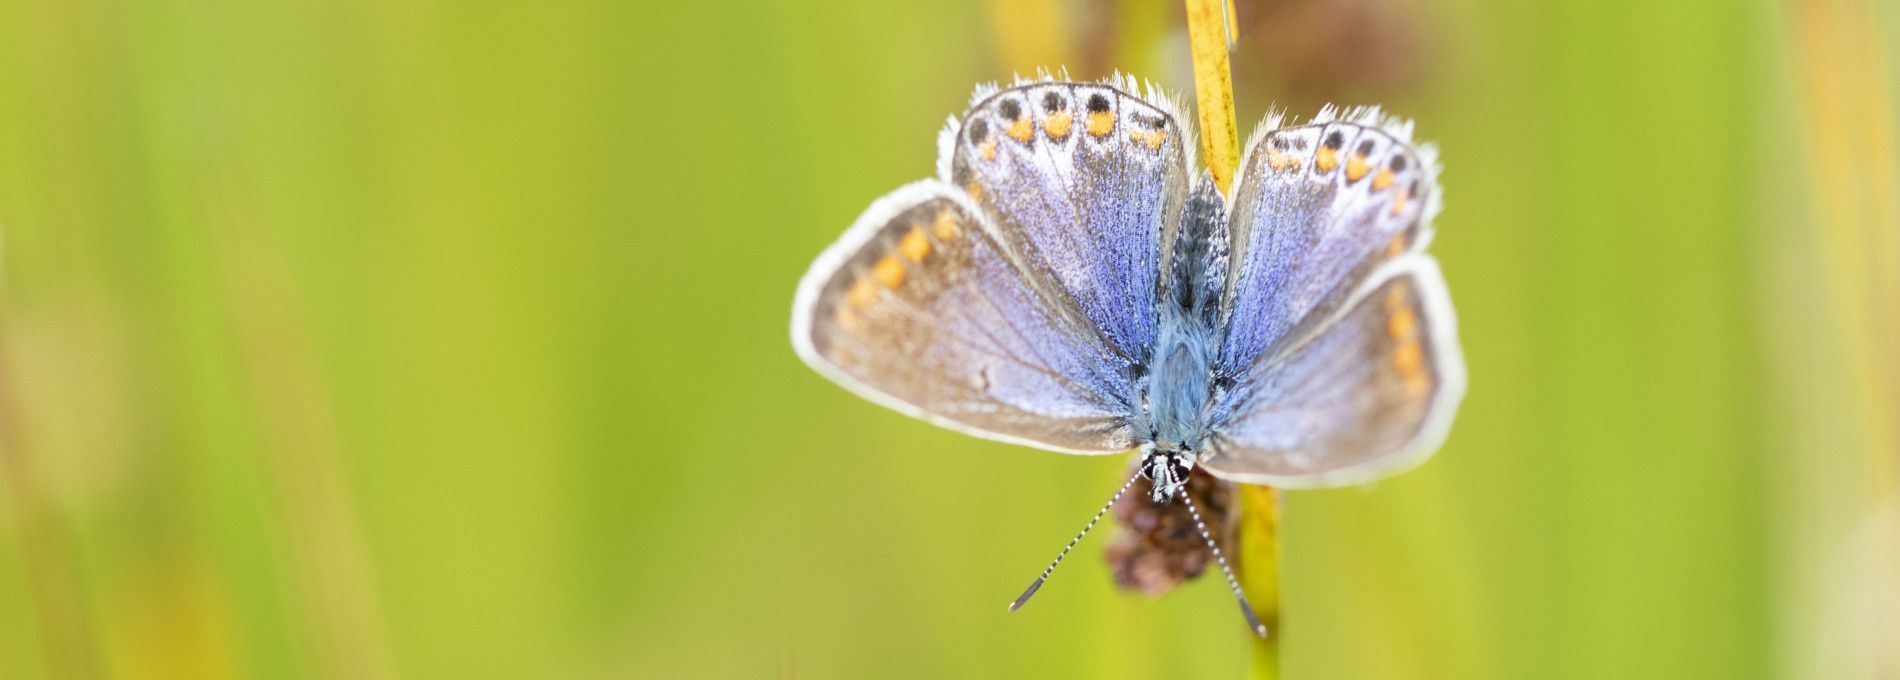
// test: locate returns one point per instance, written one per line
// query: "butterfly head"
(1168, 470)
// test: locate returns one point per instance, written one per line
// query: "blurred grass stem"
(46, 548)
(1843, 555)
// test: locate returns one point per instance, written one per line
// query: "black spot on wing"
(979, 130)
(1011, 109)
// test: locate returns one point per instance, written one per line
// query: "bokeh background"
(413, 339)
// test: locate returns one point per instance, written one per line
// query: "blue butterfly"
(1068, 282)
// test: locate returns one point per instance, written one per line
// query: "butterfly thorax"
(1178, 385)
(1185, 344)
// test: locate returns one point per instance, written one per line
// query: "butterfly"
(1068, 281)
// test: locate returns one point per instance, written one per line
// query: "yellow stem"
(1259, 557)
(1209, 33)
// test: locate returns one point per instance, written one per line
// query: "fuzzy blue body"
(1181, 382)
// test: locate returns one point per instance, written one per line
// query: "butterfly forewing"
(920, 308)
(1086, 183)
(1371, 393)
(1317, 207)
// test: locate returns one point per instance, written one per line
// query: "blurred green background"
(448, 340)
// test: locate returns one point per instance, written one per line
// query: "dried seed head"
(1158, 546)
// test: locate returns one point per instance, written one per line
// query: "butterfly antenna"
(1253, 621)
(1033, 587)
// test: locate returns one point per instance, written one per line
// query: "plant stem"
(1210, 32)
(1259, 557)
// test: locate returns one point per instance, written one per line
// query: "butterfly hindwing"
(921, 308)
(1371, 392)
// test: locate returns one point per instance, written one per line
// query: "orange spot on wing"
(1021, 129)
(1326, 159)
(862, 292)
(1409, 358)
(1057, 124)
(888, 271)
(945, 226)
(1410, 361)
(1382, 180)
(987, 149)
(1398, 200)
(1396, 246)
(915, 246)
(1403, 324)
(1356, 168)
(1100, 122)
(845, 317)
(1152, 139)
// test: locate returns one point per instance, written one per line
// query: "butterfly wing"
(1317, 207)
(1339, 360)
(921, 307)
(1371, 393)
(1086, 181)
